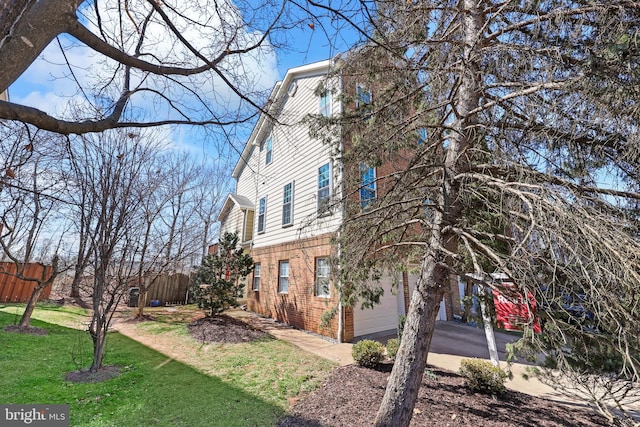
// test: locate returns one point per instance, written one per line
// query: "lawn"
(234, 385)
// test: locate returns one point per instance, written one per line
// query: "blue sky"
(49, 85)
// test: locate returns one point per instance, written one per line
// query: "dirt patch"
(28, 330)
(223, 329)
(85, 376)
(351, 396)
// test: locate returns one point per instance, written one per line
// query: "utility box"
(134, 296)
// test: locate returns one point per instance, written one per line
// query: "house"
(283, 209)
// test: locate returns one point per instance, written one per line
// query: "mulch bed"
(351, 396)
(223, 329)
(86, 376)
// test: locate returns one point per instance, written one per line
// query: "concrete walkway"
(451, 343)
(323, 347)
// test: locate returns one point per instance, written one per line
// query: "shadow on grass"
(150, 390)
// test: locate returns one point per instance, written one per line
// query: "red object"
(514, 311)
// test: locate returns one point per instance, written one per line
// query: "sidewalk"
(323, 347)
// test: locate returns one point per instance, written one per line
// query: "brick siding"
(299, 307)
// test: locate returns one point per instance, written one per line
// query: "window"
(262, 209)
(422, 136)
(325, 103)
(363, 96)
(367, 185)
(287, 204)
(324, 192)
(269, 148)
(283, 278)
(322, 277)
(256, 276)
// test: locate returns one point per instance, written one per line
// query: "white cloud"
(49, 85)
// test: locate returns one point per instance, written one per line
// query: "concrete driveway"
(457, 339)
(467, 341)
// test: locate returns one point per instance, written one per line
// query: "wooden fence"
(13, 289)
(169, 289)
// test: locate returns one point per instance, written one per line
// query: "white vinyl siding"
(233, 223)
(296, 158)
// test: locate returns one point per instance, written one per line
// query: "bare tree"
(108, 168)
(179, 217)
(505, 138)
(29, 199)
(179, 207)
(185, 60)
(211, 188)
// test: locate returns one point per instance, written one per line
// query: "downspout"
(340, 173)
(340, 310)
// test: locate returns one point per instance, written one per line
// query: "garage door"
(383, 317)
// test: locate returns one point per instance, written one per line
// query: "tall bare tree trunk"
(25, 320)
(99, 323)
(403, 385)
(98, 332)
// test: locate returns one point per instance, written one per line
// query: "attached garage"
(384, 316)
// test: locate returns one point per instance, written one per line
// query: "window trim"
(289, 204)
(361, 92)
(263, 215)
(281, 277)
(256, 267)
(367, 186)
(325, 103)
(318, 278)
(324, 208)
(268, 156)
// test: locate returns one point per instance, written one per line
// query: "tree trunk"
(99, 336)
(32, 31)
(25, 320)
(403, 384)
(468, 302)
(142, 300)
(400, 396)
(98, 332)
(75, 285)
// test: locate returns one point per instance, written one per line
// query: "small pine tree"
(217, 283)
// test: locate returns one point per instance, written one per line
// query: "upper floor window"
(363, 96)
(269, 151)
(257, 269)
(422, 136)
(325, 103)
(287, 204)
(322, 277)
(367, 185)
(283, 277)
(324, 190)
(262, 210)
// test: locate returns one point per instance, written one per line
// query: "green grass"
(73, 317)
(241, 385)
